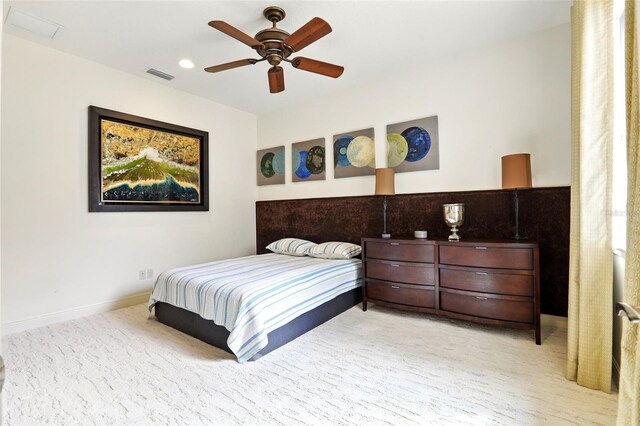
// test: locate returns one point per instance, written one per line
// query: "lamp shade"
(385, 181)
(516, 171)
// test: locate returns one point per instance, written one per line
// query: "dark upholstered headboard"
(544, 217)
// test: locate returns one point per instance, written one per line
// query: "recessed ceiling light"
(32, 23)
(185, 63)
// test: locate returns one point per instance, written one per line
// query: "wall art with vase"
(270, 166)
(354, 154)
(308, 160)
(413, 145)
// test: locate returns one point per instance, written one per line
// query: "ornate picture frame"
(139, 164)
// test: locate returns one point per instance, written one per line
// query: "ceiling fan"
(275, 45)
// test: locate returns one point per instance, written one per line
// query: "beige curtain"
(590, 257)
(629, 399)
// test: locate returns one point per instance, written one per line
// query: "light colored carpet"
(377, 367)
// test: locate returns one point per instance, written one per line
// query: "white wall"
(56, 256)
(59, 261)
(1, 23)
(507, 98)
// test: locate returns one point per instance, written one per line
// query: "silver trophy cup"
(453, 217)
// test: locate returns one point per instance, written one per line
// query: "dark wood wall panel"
(544, 217)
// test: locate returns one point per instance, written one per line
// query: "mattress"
(252, 296)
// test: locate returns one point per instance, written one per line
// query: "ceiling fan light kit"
(276, 79)
(275, 45)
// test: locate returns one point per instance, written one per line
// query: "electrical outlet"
(149, 274)
(142, 274)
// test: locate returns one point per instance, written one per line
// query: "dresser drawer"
(404, 272)
(506, 308)
(486, 281)
(487, 257)
(400, 251)
(402, 293)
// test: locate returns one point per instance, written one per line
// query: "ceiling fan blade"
(230, 65)
(276, 79)
(317, 67)
(232, 31)
(312, 31)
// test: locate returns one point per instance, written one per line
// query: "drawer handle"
(481, 273)
(394, 286)
(394, 265)
(481, 298)
(481, 248)
(394, 244)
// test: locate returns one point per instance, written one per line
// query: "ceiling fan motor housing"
(271, 38)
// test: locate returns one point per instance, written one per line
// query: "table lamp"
(516, 173)
(385, 185)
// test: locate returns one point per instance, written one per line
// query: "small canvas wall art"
(308, 160)
(270, 166)
(140, 164)
(413, 145)
(354, 154)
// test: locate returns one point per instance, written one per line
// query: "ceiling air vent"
(32, 23)
(160, 74)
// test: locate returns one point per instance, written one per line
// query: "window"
(619, 200)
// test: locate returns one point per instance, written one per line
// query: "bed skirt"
(216, 335)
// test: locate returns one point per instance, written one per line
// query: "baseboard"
(97, 308)
(553, 321)
(73, 313)
(616, 373)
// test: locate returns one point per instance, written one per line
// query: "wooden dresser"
(400, 272)
(487, 281)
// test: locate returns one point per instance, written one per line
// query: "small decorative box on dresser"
(488, 281)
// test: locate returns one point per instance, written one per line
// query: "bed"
(251, 305)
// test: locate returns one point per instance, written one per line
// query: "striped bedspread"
(254, 295)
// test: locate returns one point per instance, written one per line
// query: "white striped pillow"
(291, 246)
(334, 250)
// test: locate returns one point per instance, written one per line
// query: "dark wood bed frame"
(216, 335)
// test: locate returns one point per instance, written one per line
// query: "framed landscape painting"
(308, 160)
(414, 145)
(139, 164)
(354, 154)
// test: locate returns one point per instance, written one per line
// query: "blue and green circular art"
(307, 163)
(272, 164)
(278, 162)
(357, 152)
(340, 151)
(419, 143)
(413, 144)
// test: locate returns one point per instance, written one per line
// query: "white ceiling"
(371, 39)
